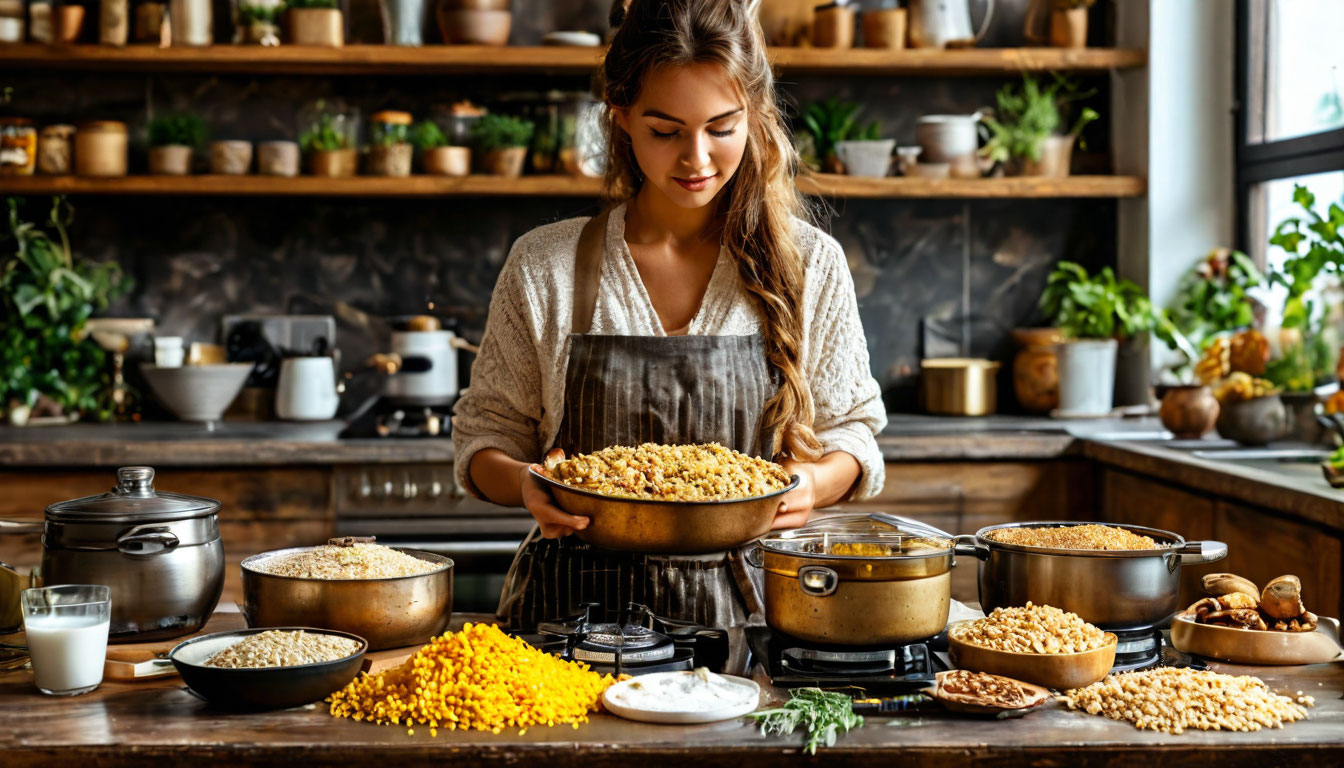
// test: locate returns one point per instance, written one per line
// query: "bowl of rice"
(268, 668)
(670, 499)
(392, 597)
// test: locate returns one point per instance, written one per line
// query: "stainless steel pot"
(854, 580)
(389, 613)
(1130, 589)
(160, 554)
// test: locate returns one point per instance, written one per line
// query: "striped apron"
(627, 390)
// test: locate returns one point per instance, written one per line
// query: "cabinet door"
(1138, 500)
(1261, 546)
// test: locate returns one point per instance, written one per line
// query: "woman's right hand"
(555, 523)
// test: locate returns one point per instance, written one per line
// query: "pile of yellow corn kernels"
(479, 678)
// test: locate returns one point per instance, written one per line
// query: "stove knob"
(408, 489)
(364, 489)
(384, 490)
(435, 489)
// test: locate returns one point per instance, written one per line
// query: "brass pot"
(1189, 411)
(850, 580)
(315, 26)
(958, 386)
(389, 613)
(1036, 369)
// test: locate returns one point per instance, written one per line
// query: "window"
(1290, 67)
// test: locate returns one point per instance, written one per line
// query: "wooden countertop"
(159, 721)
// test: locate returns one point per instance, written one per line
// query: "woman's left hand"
(797, 504)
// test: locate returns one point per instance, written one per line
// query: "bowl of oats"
(1037, 644)
(273, 668)
(670, 499)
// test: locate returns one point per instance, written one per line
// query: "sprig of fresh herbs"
(825, 713)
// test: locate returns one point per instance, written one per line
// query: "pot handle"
(1197, 552)
(967, 545)
(142, 542)
(753, 556)
(21, 526)
(818, 580)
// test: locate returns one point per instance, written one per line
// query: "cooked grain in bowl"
(283, 648)
(1031, 629)
(708, 472)
(358, 561)
(1104, 537)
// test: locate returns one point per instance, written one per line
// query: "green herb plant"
(1104, 307)
(176, 130)
(326, 135)
(1028, 114)
(427, 134)
(260, 14)
(1215, 297)
(388, 134)
(46, 298)
(830, 122)
(1314, 243)
(493, 132)
(826, 714)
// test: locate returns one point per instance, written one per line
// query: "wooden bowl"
(1257, 647)
(1038, 696)
(1060, 671)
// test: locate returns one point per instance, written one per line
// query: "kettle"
(307, 389)
(945, 23)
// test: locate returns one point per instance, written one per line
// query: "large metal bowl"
(667, 527)
(389, 613)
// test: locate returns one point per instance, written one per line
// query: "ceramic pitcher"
(940, 23)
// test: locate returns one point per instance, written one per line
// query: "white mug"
(307, 389)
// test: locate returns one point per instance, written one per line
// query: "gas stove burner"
(1137, 649)
(637, 643)
(793, 663)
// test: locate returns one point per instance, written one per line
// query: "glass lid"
(860, 535)
(133, 500)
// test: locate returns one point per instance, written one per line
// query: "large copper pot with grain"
(857, 580)
(389, 612)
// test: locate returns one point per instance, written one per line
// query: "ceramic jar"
(278, 158)
(1068, 27)
(114, 21)
(390, 150)
(192, 22)
(884, 28)
(1189, 411)
(149, 22)
(315, 26)
(231, 158)
(506, 162)
(18, 146)
(1035, 368)
(833, 26)
(54, 146)
(170, 160)
(1056, 157)
(447, 161)
(100, 148)
(475, 22)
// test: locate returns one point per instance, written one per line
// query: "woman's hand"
(797, 504)
(555, 522)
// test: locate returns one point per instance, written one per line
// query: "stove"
(1144, 648)
(402, 417)
(793, 663)
(637, 643)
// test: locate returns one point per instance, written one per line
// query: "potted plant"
(1068, 23)
(1315, 247)
(47, 360)
(315, 22)
(437, 157)
(172, 138)
(1094, 313)
(390, 149)
(1024, 131)
(866, 153)
(502, 141)
(259, 21)
(826, 124)
(328, 136)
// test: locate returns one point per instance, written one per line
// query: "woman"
(698, 308)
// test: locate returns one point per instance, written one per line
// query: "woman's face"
(688, 130)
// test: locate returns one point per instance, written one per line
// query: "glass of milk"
(66, 628)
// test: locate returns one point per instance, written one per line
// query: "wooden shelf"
(475, 59)
(562, 186)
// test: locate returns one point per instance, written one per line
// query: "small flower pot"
(278, 158)
(231, 158)
(172, 160)
(1068, 28)
(1259, 421)
(392, 160)
(884, 29)
(333, 163)
(505, 162)
(1056, 156)
(1189, 412)
(474, 27)
(315, 26)
(833, 27)
(866, 158)
(1086, 377)
(447, 161)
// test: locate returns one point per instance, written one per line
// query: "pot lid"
(133, 500)
(859, 536)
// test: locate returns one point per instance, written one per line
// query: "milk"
(67, 652)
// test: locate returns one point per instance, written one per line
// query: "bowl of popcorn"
(1037, 644)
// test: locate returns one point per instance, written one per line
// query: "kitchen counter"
(159, 721)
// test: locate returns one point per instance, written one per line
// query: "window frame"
(1259, 162)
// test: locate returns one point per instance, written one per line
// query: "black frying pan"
(264, 687)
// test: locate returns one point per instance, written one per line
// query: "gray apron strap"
(588, 271)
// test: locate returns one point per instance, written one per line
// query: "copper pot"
(852, 580)
(958, 386)
(1189, 411)
(1035, 369)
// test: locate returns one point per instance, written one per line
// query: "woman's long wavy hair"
(760, 203)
